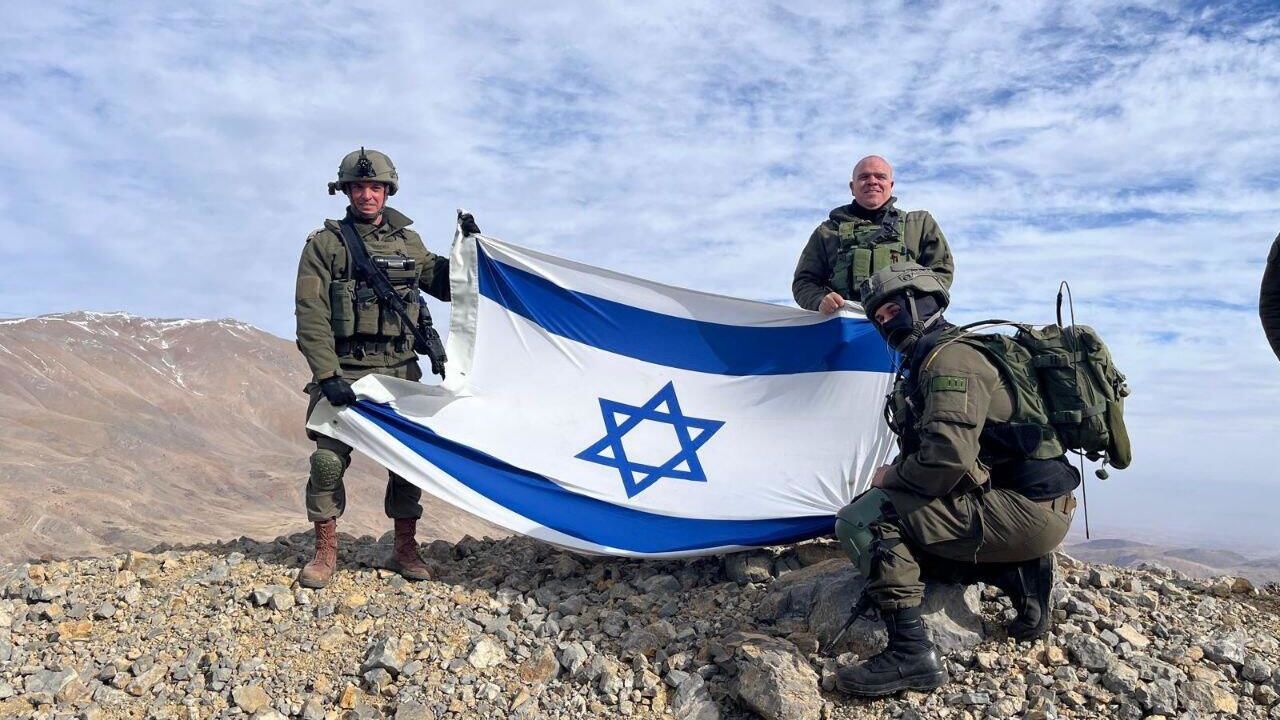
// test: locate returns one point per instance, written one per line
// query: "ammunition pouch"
(360, 347)
(867, 248)
(342, 308)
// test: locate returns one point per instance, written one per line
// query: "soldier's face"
(872, 183)
(367, 198)
(887, 312)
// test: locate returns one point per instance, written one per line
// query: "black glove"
(468, 224)
(337, 392)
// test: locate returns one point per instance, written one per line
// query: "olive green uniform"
(824, 263)
(949, 494)
(1269, 298)
(379, 344)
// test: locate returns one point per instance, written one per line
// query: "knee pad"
(327, 467)
(853, 527)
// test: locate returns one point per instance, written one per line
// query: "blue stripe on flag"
(546, 503)
(836, 344)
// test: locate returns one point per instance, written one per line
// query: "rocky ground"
(517, 629)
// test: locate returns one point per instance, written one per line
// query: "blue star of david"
(647, 475)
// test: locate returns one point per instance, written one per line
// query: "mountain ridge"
(121, 432)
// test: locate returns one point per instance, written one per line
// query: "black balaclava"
(902, 332)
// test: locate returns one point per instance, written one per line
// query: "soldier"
(1269, 298)
(978, 491)
(863, 237)
(345, 333)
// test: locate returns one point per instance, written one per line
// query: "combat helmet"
(366, 166)
(917, 290)
(902, 279)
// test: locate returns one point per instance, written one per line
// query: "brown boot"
(319, 571)
(406, 560)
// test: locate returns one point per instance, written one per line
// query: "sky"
(170, 162)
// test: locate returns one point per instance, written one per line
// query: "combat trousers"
(329, 500)
(991, 526)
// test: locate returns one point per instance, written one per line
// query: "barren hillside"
(119, 432)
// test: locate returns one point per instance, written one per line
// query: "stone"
(250, 698)
(410, 710)
(313, 709)
(43, 686)
(1256, 669)
(331, 638)
(748, 567)
(1121, 679)
(142, 683)
(376, 679)
(661, 585)
(105, 611)
(349, 697)
(74, 630)
(1101, 578)
(823, 594)
(386, 653)
(540, 667)
(775, 681)
(1158, 696)
(1201, 697)
(692, 701)
(352, 602)
(572, 658)
(1229, 648)
(1053, 656)
(1129, 634)
(1088, 652)
(487, 653)
(281, 600)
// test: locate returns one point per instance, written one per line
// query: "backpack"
(1065, 376)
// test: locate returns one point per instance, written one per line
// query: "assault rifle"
(426, 341)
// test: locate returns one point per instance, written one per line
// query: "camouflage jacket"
(954, 394)
(325, 259)
(813, 276)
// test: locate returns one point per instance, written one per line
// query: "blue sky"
(170, 162)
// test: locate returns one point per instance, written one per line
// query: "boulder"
(775, 681)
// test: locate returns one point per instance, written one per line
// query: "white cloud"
(170, 162)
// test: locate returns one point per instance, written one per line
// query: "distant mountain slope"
(1195, 562)
(120, 432)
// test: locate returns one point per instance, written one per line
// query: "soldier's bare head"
(872, 182)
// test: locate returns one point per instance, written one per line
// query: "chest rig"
(1026, 435)
(361, 324)
(867, 247)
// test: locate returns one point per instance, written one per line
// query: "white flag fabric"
(610, 414)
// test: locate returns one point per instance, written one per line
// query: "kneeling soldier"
(977, 492)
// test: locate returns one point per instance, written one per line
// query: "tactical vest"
(1027, 434)
(866, 248)
(361, 325)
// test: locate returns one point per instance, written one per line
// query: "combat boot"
(319, 571)
(406, 560)
(908, 662)
(1029, 586)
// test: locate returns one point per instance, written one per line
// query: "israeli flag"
(609, 414)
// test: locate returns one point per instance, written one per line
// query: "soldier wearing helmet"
(863, 237)
(345, 334)
(964, 499)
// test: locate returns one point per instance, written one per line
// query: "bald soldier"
(863, 237)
